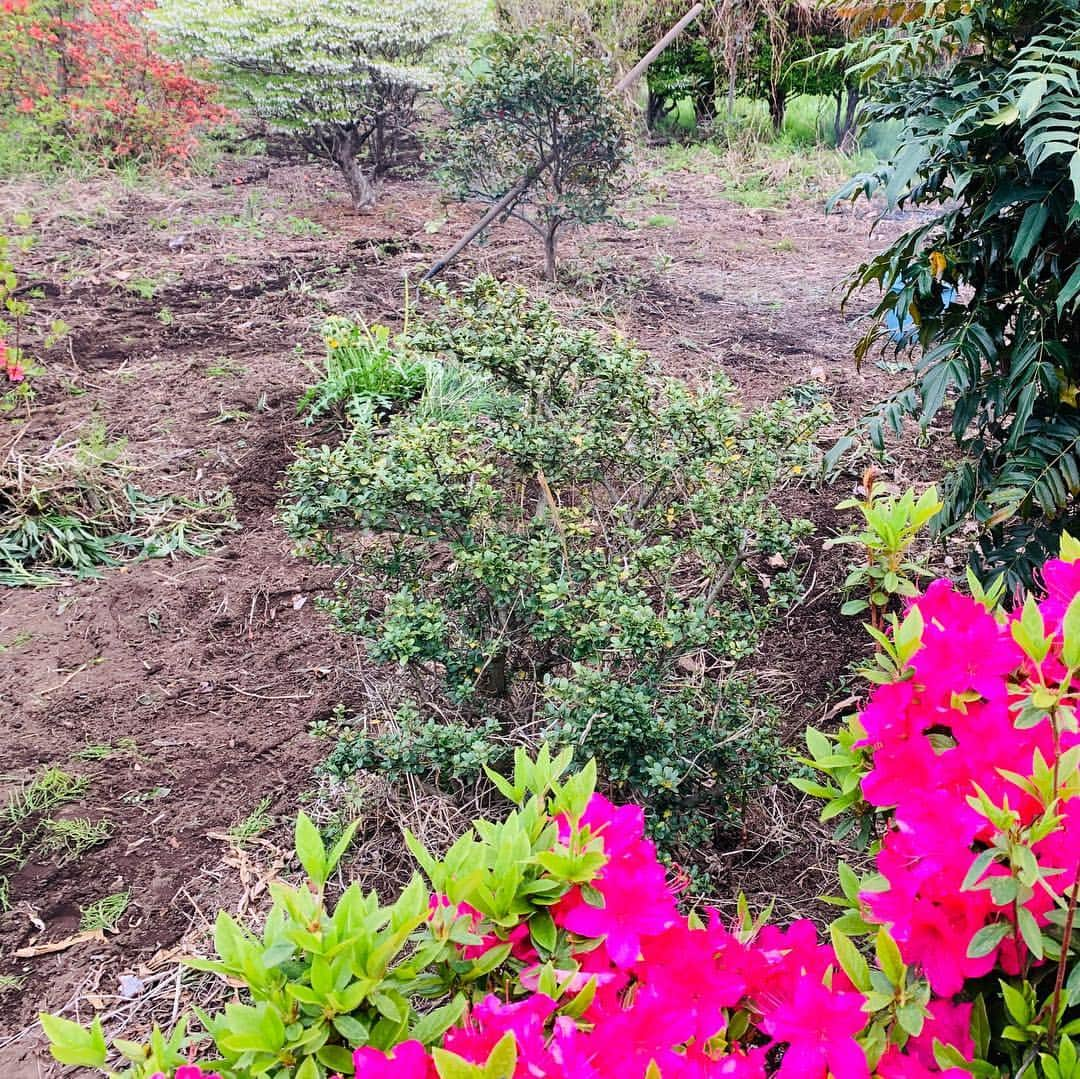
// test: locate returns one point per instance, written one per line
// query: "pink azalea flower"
(409, 1060)
(819, 1027)
(950, 1024)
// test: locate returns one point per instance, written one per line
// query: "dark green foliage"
(992, 144)
(685, 69)
(415, 745)
(534, 98)
(585, 564)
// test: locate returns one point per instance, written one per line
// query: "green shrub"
(605, 545)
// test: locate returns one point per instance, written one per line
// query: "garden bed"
(183, 690)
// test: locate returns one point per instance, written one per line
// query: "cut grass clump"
(24, 816)
(68, 840)
(105, 913)
(74, 511)
(44, 793)
(253, 825)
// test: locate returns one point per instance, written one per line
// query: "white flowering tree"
(344, 75)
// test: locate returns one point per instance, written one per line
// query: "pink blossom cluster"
(937, 736)
(667, 992)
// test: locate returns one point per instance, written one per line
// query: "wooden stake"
(503, 204)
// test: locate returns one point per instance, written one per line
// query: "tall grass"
(808, 123)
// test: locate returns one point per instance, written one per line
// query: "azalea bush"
(88, 80)
(987, 98)
(965, 765)
(547, 944)
(582, 556)
(347, 77)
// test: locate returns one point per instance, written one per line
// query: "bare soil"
(191, 305)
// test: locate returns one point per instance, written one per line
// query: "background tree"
(344, 75)
(610, 30)
(784, 35)
(989, 99)
(535, 97)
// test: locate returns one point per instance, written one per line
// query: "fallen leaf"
(61, 945)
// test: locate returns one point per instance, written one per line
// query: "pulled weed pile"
(75, 510)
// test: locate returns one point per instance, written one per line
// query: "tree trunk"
(653, 110)
(846, 141)
(345, 153)
(550, 241)
(777, 105)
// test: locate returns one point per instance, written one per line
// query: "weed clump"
(76, 510)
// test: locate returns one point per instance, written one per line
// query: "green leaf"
(355, 1032)
(987, 939)
(310, 1070)
(502, 1060)
(1069, 290)
(451, 1066)
(310, 850)
(1029, 930)
(1070, 629)
(1017, 1003)
(851, 960)
(1027, 235)
(889, 958)
(336, 1057)
(340, 847)
(73, 1044)
(543, 933)
(432, 1026)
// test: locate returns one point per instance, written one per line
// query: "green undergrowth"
(555, 542)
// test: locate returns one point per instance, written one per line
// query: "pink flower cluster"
(667, 992)
(935, 737)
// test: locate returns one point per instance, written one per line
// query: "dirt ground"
(184, 689)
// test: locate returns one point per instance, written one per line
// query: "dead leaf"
(61, 945)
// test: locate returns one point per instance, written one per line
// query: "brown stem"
(1059, 981)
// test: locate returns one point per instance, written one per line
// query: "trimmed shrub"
(585, 558)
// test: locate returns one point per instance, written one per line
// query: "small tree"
(345, 75)
(534, 100)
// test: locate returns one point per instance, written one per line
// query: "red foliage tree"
(90, 75)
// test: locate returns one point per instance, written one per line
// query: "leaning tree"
(537, 105)
(345, 75)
